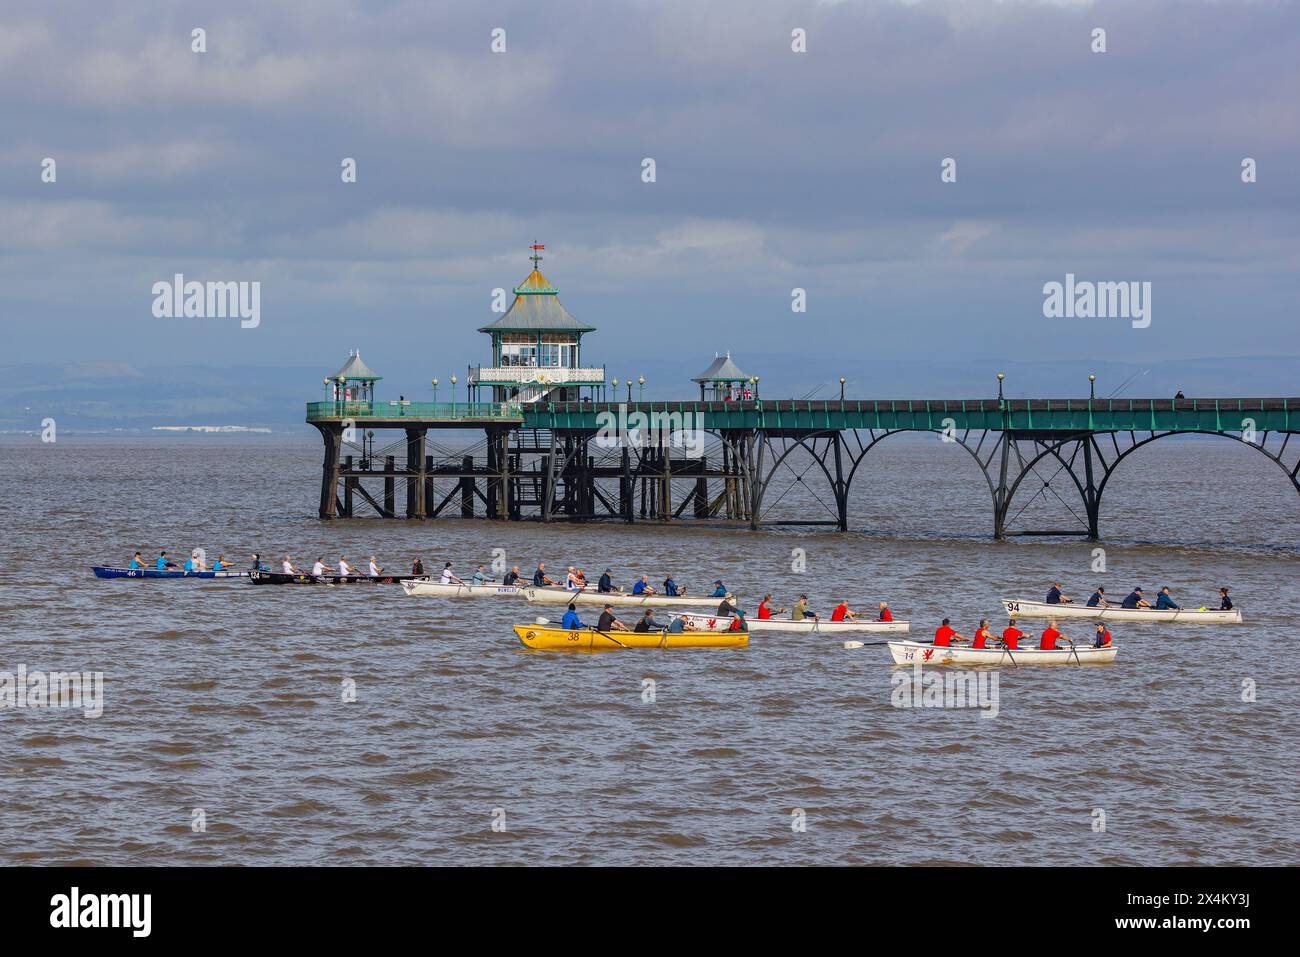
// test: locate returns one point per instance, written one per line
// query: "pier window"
(558, 350)
(518, 349)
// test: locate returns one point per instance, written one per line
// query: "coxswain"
(1098, 599)
(842, 613)
(1225, 603)
(1135, 600)
(885, 614)
(1103, 637)
(570, 620)
(1165, 600)
(417, 567)
(982, 635)
(376, 570)
(1055, 596)
(540, 578)
(449, 577)
(647, 622)
(765, 608)
(738, 622)
(726, 609)
(137, 561)
(642, 587)
(1011, 636)
(480, 577)
(512, 576)
(606, 583)
(608, 622)
(945, 635)
(1047, 642)
(257, 563)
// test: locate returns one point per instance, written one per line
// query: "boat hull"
(423, 588)
(1018, 608)
(807, 626)
(919, 653)
(110, 571)
(562, 596)
(279, 578)
(542, 638)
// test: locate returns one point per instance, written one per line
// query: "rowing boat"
(1018, 608)
(915, 652)
(111, 571)
(562, 596)
(543, 638)
(807, 626)
(427, 587)
(280, 578)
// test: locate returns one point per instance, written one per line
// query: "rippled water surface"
(227, 697)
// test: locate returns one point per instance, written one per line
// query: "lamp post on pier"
(640, 392)
(841, 388)
(1092, 387)
(453, 397)
(434, 383)
(613, 389)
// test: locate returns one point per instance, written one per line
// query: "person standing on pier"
(540, 578)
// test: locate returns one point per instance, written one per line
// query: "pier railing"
(402, 409)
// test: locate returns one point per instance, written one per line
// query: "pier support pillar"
(415, 502)
(390, 486)
(467, 488)
(332, 435)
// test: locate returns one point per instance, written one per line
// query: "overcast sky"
(775, 170)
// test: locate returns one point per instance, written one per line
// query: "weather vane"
(536, 247)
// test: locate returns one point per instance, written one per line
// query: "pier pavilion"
(548, 451)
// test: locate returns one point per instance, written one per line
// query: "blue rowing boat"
(109, 571)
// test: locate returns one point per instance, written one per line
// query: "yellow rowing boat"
(588, 639)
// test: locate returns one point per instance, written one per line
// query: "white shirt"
(447, 576)
(288, 567)
(374, 569)
(318, 568)
(344, 568)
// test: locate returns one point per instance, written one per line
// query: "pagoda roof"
(536, 308)
(355, 369)
(722, 369)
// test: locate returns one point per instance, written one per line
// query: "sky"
(774, 170)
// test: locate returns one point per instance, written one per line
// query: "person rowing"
(540, 578)
(606, 584)
(725, 608)
(842, 612)
(220, 564)
(1011, 636)
(945, 636)
(1166, 601)
(719, 590)
(642, 587)
(672, 589)
(982, 635)
(800, 610)
(320, 568)
(608, 622)
(1047, 641)
(512, 576)
(163, 563)
(647, 622)
(137, 561)
(679, 624)
(1103, 637)
(480, 577)
(287, 566)
(573, 579)
(376, 570)
(346, 570)
(449, 577)
(765, 608)
(1055, 596)
(1135, 600)
(1225, 603)
(571, 620)
(1098, 599)
(885, 614)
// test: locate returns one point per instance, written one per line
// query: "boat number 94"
(1013, 606)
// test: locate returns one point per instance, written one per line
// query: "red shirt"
(943, 635)
(735, 625)
(1048, 641)
(838, 613)
(764, 612)
(1105, 641)
(1011, 636)
(885, 615)
(981, 636)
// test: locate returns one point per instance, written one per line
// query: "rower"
(719, 590)
(800, 610)
(1225, 603)
(842, 613)
(1103, 637)
(642, 587)
(679, 624)
(449, 577)
(725, 608)
(540, 579)
(1047, 641)
(286, 566)
(672, 589)
(606, 584)
(417, 568)
(319, 568)
(1098, 599)
(1055, 596)
(765, 608)
(512, 576)
(189, 565)
(570, 619)
(608, 622)
(982, 635)
(164, 562)
(1011, 636)
(945, 635)
(220, 564)
(572, 580)
(1135, 600)
(647, 622)
(375, 570)
(885, 614)
(480, 577)
(137, 561)
(1165, 600)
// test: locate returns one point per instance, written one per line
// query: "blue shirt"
(217, 566)
(1131, 601)
(638, 588)
(720, 592)
(1164, 601)
(670, 587)
(135, 564)
(605, 585)
(189, 564)
(1054, 595)
(1095, 600)
(161, 564)
(570, 621)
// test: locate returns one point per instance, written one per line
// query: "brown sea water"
(227, 697)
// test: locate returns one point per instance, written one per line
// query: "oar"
(1074, 649)
(610, 637)
(864, 644)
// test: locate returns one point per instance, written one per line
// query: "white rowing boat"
(428, 587)
(915, 652)
(1019, 608)
(807, 626)
(589, 596)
